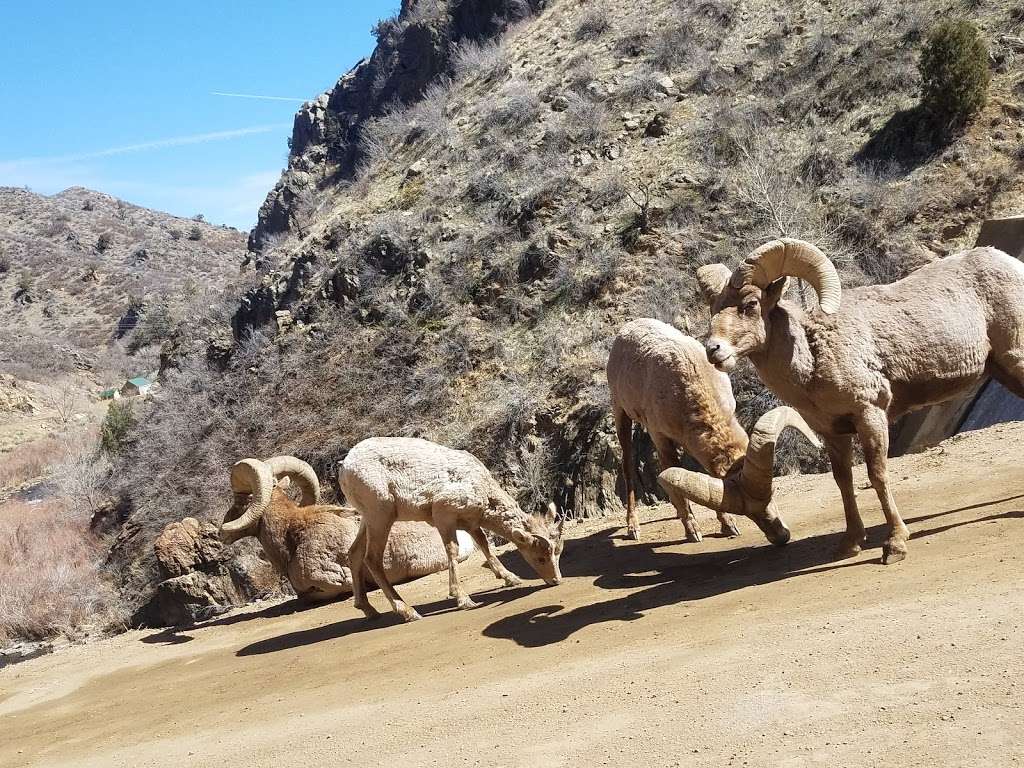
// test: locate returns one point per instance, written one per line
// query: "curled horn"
(758, 466)
(250, 476)
(301, 473)
(793, 258)
(711, 279)
(702, 489)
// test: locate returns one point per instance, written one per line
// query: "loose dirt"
(657, 653)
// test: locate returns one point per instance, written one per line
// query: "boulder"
(193, 597)
(187, 546)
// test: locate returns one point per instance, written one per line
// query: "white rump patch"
(466, 545)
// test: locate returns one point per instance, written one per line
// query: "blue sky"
(118, 96)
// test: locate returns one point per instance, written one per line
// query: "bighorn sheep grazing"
(747, 489)
(308, 543)
(390, 479)
(662, 379)
(854, 366)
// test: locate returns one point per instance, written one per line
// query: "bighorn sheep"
(852, 367)
(747, 489)
(389, 479)
(661, 378)
(309, 542)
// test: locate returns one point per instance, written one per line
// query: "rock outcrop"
(413, 50)
(200, 577)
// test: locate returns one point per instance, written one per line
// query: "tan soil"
(656, 653)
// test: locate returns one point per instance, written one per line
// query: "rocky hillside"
(470, 214)
(79, 269)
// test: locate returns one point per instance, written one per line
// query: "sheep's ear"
(771, 295)
(551, 513)
(284, 483)
(521, 538)
(712, 279)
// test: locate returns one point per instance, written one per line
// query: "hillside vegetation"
(80, 271)
(470, 214)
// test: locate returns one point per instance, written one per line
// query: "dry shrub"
(29, 461)
(49, 580)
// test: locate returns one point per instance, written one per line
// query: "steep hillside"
(471, 213)
(78, 269)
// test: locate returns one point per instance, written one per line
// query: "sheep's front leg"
(874, 438)
(840, 454)
(446, 528)
(668, 457)
(499, 570)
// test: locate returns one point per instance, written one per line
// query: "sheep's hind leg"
(451, 544)
(499, 570)
(840, 454)
(376, 543)
(874, 437)
(356, 562)
(668, 457)
(624, 430)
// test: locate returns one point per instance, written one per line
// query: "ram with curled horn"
(748, 489)
(308, 542)
(866, 356)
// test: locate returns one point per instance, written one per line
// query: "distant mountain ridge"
(73, 265)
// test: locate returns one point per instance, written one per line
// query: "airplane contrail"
(174, 141)
(256, 96)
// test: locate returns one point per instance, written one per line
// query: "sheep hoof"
(694, 537)
(849, 547)
(729, 529)
(893, 552)
(369, 611)
(410, 614)
(633, 534)
(513, 581)
(467, 603)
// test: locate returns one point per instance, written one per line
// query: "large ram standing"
(308, 543)
(851, 367)
(662, 379)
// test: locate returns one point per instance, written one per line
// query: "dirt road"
(658, 653)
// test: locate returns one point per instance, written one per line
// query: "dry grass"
(49, 580)
(29, 461)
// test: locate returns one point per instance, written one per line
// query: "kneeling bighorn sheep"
(389, 479)
(852, 367)
(308, 543)
(662, 379)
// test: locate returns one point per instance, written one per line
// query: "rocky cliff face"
(415, 48)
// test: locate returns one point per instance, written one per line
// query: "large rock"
(201, 577)
(193, 597)
(187, 546)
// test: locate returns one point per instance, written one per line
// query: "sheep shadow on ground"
(176, 635)
(656, 579)
(495, 596)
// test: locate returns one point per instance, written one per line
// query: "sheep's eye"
(750, 307)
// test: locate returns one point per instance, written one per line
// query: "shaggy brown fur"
(887, 350)
(309, 544)
(662, 379)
